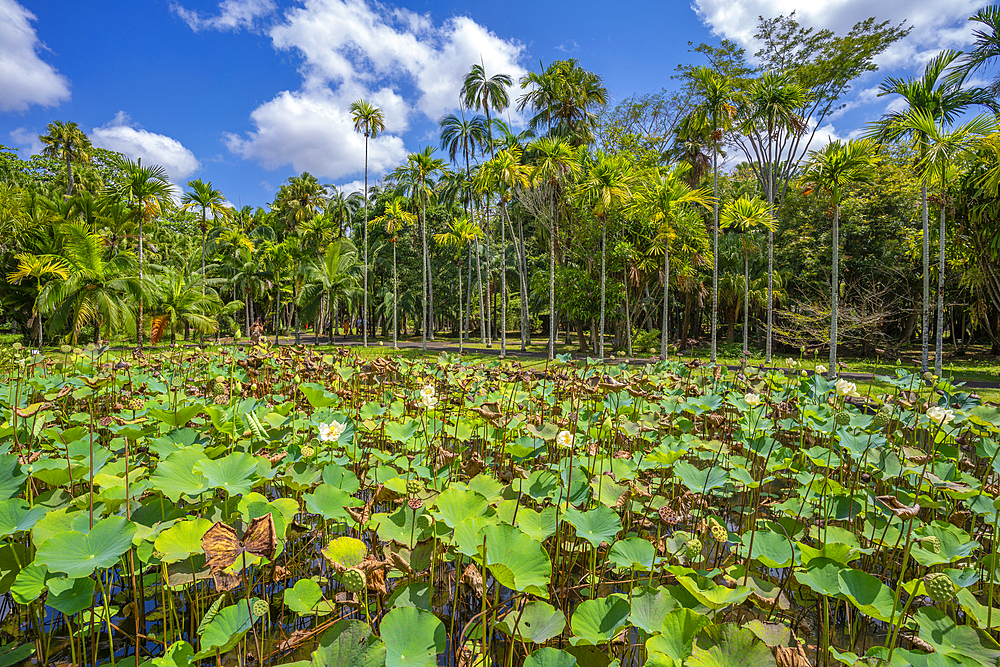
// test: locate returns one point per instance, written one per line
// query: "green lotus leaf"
(181, 539)
(29, 583)
(867, 593)
(16, 515)
(177, 417)
(535, 622)
(317, 395)
(227, 628)
(413, 637)
(349, 642)
(633, 552)
(678, 632)
(455, 505)
(517, 561)
(711, 594)
(770, 549)
(235, 474)
(338, 476)
(597, 621)
(822, 576)
(177, 475)
(179, 654)
(306, 598)
(69, 595)
(729, 645)
(11, 477)
(964, 642)
(596, 526)
(79, 554)
(404, 526)
(12, 654)
(550, 657)
(701, 481)
(346, 551)
(537, 525)
(418, 594)
(955, 544)
(329, 502)
(650, 607)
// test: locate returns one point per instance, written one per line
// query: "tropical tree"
(555, 162)
(943, 99)
(331, 280)
(941, 150)
(769, 126)
(39, 268)
(182, 298)
(748, 214)
(147, 191)
(605, 187)
(68, 142)
(202, 195)
(661, 199)
(716, 110)
(370, 122)
(460, 233)
(98, 290)
(985, 48)
(830, 171)
(395, 218)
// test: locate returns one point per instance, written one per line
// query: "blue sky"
(246, 93)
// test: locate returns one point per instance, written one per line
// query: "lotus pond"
(276, 506)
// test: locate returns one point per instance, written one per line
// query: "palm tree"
(941, 149)
(66, 141)
(831, 170)
(605, 187)
(147, 190)
(202, 195)
(98, 289)
(985, 49)
(943, 99)
(395, 218)
(716, 91)
(748, 214)
(565, 98)
(555, 162)
(417, 178)
(39, 267)
(183, 298)
(460, 233)
(769, 121)
(505, 173)
(330, 280)
(662, 198)
(369, 121)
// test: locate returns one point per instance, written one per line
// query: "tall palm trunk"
(468, 294)
(461, 340)
(69, 173)
(939, 344)
(746, 302)
(525, 317)
(665, 334)
(835, 301)
(552, 281)
(628, 318)
(395, 299)
(141, 288)
(925, 320)
(482, 303)
(364, 316)
(604, 239)
(715, 249)
(503, 289)
(770, 267)
(423, 238)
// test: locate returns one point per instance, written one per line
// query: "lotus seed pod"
(719, 533)
(928, 376)
(932, 543)
(307, 451)
(135, 403)
(219, 387)
(843, 418)
(692, 549)
(939, 586)
(413, 486)
(259, 608)
(354, 580)
(881, 420)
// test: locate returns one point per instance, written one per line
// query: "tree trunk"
(835, 301)
(553, 323)
(364, 316)
(482, 303)
(665, 333)
(746, 302)
(925, 322)
(604, 239)
(503, 289)
(939, 342)
(715, 249)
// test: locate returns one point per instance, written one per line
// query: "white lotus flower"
(792, 363)
(564, 439)
(427, 391)
(429, 401)
(821, 369)
(332, 431)
(845, 388)
(752, 399)
(940, 415)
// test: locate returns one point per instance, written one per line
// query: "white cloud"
(233, 15)
(25, 79)
(27, 139)
(121, 135)
(401, 61)
(936, 24)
